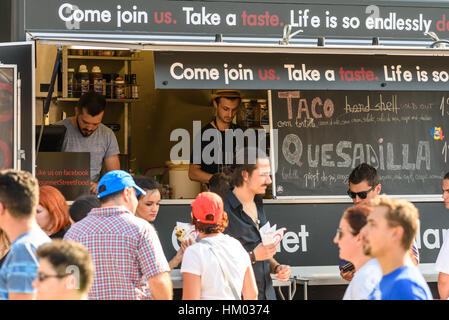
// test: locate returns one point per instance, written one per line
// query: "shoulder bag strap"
(224, 270)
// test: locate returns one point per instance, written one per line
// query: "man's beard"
(84, 134)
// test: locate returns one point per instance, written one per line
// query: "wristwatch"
(252, 256)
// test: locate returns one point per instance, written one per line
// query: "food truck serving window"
(329, 115)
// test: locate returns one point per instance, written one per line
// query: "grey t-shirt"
(101, 144)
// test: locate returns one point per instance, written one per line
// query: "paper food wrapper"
(183, 231)
(270, 235)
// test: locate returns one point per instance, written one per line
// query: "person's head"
(89, 112)
(148, 205)
(226, 104)
(208, 215)
(391, 226)
(251, 170)
(52, 213)
(65, 271)
(19, 196)
(445, 188)
(364, 184)
(348, 237)
(82, 206)
(118, 188)
(220, 183)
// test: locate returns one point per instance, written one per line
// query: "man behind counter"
(226, 104)
(86, 133)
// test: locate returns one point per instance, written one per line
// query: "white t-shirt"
(364, 281)
(442, 264)
(198, 259)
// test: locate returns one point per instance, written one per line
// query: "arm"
(112, 163)
(249, 290)
(443, 285)
(161, 286)
(191, 286)
(280, 271)
(21, 296)
(176, 260)
(196, 174)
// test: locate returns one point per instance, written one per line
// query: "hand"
(173, 263)
(265, 252)
(283, 272)
(348, 275)
(93, 187)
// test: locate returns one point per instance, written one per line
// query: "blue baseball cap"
(117, 180)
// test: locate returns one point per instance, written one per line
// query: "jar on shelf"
(83, 76)
(71, 83)
(263, 107)
(119, 85)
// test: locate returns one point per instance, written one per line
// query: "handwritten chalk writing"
(324, 155)
(303, 105)
(385, 104)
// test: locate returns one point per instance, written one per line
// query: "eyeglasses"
(362, 195)
(42, 276)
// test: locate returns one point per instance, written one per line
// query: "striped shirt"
(20, 266)
(126, 252)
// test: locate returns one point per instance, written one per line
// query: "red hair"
(53, 200)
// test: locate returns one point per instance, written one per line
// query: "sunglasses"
(362, 195)
(42, 276)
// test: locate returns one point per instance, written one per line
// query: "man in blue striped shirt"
(19, 196)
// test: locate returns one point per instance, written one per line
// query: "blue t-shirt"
(404, 283)
(20, 266)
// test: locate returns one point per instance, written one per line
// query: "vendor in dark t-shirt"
(226, 104)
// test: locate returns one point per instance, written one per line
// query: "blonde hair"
(402, 213)
(4, 244)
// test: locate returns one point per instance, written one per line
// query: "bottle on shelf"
(263, 107)
(83, 76)
(134, 87)
(96, 80)
(71, 83)
(119, 85)
(107, 78)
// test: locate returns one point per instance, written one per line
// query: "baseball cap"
(226, 93)
(207, 208)
(117, 180)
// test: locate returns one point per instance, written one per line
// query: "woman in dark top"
(52, 213)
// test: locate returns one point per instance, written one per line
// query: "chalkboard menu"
(322, 135)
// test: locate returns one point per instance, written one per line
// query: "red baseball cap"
(207, 208)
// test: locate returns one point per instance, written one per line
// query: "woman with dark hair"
(217, 267)
(148, 208)
(52, 213)
(368, 272)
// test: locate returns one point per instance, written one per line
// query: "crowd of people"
(105, 247)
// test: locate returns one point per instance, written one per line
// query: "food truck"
(330, 85)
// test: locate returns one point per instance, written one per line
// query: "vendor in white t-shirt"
(86, 133)
(442, 264)
(205, 263)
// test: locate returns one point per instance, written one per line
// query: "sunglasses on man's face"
(42, 276)
(362, 195)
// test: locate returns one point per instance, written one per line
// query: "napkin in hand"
(270, 235)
